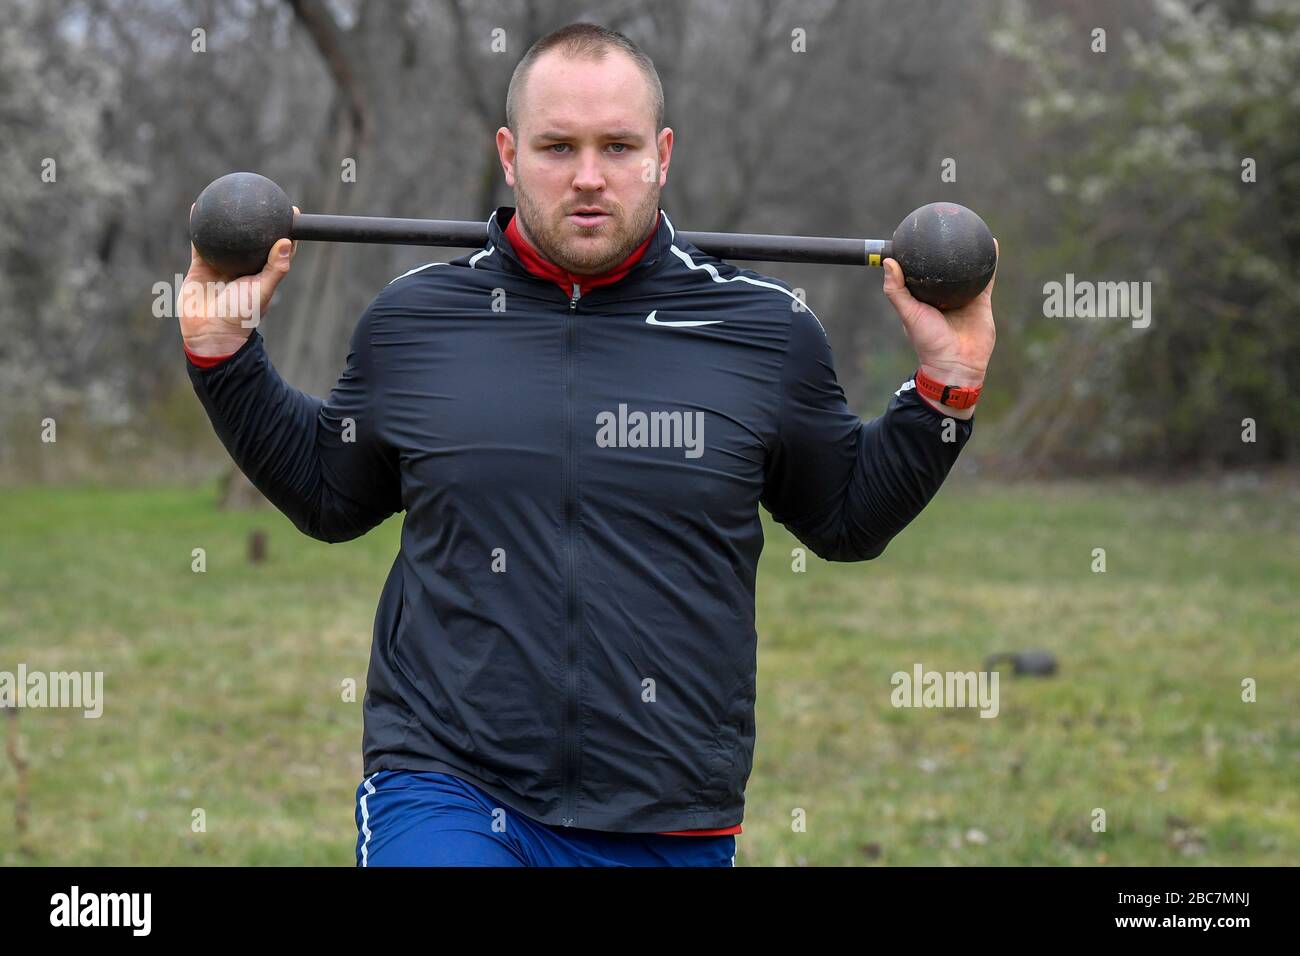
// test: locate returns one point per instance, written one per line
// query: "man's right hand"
(217, 320)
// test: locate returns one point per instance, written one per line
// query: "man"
(580, 421)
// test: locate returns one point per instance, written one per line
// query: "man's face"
(587, 165)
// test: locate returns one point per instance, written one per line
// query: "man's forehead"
(583, 94)
(615, 67)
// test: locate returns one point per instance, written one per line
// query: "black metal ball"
(947, 254)
(237, 219)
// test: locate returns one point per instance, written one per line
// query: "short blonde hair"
(583, 41)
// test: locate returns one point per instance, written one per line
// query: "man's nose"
(590, 174)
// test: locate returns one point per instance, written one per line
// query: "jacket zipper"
(568, 812)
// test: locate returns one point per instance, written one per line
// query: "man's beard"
(554, 235)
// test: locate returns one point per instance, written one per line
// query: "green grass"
(223, 689)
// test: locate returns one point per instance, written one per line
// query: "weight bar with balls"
(946, 251)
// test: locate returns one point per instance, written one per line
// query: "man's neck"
(539, 265)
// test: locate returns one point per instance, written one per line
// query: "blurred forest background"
(1107, 139)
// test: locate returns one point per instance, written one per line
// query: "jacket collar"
(528, 261)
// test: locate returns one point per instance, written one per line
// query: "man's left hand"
(951, 347)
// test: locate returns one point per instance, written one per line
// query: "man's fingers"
(988, 289)
(200, 270)
(194, 253)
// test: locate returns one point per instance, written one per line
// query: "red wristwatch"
(954, 396)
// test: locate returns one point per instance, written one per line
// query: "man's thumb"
(276, 268)
(893, 277)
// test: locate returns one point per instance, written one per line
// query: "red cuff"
(205, 361)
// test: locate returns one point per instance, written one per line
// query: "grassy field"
(223, 688)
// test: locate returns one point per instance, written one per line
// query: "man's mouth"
(588, 217)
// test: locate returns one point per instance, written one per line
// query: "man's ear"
(507, 154)
(665, 146)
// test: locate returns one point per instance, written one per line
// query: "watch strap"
(954, 396)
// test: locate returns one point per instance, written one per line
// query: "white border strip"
(365, 820)
(707, 267)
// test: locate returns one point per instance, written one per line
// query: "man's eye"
(562, 147)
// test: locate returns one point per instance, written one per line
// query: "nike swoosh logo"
(686, 324)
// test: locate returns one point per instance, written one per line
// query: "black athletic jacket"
(569, 623)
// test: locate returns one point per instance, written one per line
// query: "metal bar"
(471, 235)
